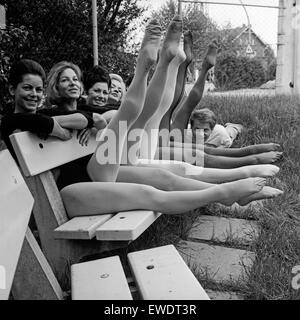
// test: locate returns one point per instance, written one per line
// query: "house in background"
(247, 43)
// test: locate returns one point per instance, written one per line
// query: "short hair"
(23, 67)
(96, 74)
(204, 115)
(52, 92)
(114, 76)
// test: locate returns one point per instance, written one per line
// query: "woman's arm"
(72, 121)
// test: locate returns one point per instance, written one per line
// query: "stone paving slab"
(217, 263)
(223, 295)
(224, 230)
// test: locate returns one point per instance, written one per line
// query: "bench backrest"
(36, 155)
(16, 203)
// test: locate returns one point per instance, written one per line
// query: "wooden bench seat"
(159, 273)
(162, 274)
(64, 241)
(102, 279)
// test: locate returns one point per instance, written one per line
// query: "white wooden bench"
(16, 203)
(19, 252)
(159, 273)
(65, 242)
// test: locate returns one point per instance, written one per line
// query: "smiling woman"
(28, 93)
(26, 85)
(64, 85)
(97, 84)
(117, 89)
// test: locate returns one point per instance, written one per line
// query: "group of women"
(89, 186)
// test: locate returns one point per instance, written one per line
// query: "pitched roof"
(240, 30)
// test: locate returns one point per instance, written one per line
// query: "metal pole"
(249, 24)
(233, 4)
(179, 7)
(95, 32)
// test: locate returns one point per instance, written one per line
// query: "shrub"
(12, 41)
(238, 72)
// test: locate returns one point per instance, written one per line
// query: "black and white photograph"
(150, 153)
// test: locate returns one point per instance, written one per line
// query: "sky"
(263, 20)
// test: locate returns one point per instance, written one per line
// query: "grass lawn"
(266, 119)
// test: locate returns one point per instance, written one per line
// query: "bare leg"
(130, 107)
(211, 175)
(157, 84)
(150, 134)
(160, 178)
(241, 152)
(231, 152)
(92, 198)
(197, 157)
(180, 82)
(183, 115)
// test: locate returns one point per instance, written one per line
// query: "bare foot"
(151, 42)
(180, 56)
(262, 170)
(172, 39)
(268, 157)
(265, 193)
(188, 47)
(265, 147)
(234, 191)
(211, 56)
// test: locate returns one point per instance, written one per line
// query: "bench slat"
(81, 227)
(16, 203)
(32, 151)
(162, 274)
(127, 225)
(102, 279)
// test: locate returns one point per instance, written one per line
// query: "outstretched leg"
(231, 152)
(150, 134)
(94, 198)
(180, 82)
(156, 86)
(212, 175)
(183, 114)
(129, 110)
(198, 157)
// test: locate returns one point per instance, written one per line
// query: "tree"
(50, 31)
(233, 72)
(12, 43)
(62, 29)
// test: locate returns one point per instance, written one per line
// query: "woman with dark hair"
(26, 85)
(97, 84)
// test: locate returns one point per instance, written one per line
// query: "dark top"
(100, 110)
(42, 124)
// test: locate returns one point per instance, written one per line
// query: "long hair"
(53, 96)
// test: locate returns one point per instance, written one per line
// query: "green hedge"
(238, 72)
